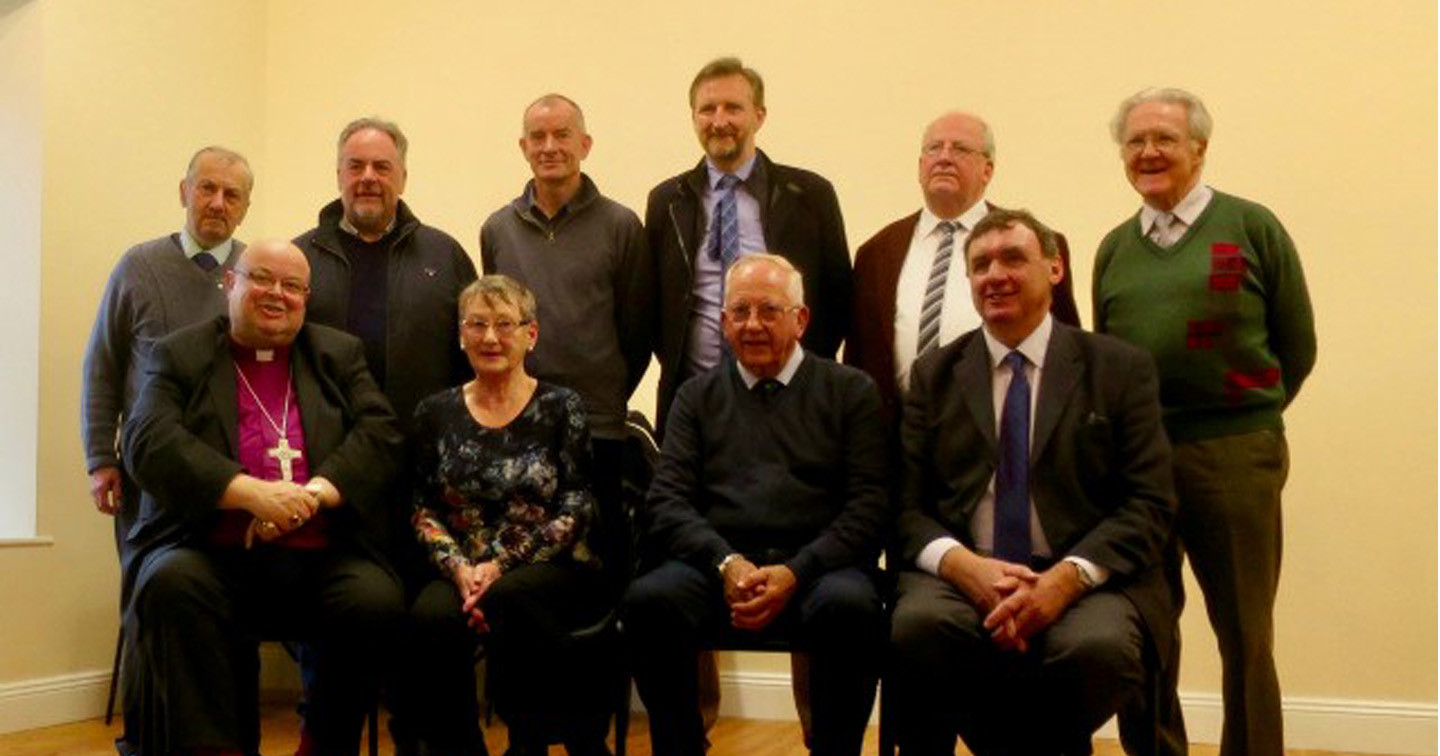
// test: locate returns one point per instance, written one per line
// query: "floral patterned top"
(513, 495)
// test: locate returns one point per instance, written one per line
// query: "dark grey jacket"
(428, 268)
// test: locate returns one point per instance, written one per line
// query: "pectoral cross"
(284, 455)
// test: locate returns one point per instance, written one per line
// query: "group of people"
(353, 440)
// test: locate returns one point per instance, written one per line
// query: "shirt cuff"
(1097, 574)
(930, 556)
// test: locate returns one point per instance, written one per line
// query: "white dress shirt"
(982, 521)
(957, 313)
(1184, 214)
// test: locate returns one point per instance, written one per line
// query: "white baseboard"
(1406, 729)
(48, 701)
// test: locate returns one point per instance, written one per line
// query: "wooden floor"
(731, 737)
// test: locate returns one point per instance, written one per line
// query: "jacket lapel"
(686, 215)
(222, 391)
(973, 369)
(1063, 368)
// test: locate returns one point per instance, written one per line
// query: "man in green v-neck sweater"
(1211, 285)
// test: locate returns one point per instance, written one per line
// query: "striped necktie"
(935, 289)
(726, 244)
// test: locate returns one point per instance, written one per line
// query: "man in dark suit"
(908, 298)
(260, 443)
(1032, 592)
(736, 201)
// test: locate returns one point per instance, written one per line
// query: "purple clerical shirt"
(266, 405)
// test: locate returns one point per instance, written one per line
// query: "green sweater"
(1224, 311)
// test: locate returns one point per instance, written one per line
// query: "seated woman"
(502, 506)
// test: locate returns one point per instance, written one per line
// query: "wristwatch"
(726, 562)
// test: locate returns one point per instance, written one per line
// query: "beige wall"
(1325, 111)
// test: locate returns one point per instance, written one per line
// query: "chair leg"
(709, 694)
(114, 676)
(374, 730)
(622, 715)
(800, 687)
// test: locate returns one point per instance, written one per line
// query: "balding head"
(957, 159)
(267, 292)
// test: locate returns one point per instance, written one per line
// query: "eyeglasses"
(769, 314)
(265, 281)
(504, 327)
(1165, 143)
(936, 148)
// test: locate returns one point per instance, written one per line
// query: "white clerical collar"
(743, 172)
(1033, 346)
(1187, 210)
(221, 251)
(786, 373)
(349, 228)
(967, 220)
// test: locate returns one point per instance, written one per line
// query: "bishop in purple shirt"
(262, 445)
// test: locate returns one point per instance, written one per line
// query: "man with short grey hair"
(384, 276)
(909, 298)
(1212, 286)
(764, 520)
(157, 287)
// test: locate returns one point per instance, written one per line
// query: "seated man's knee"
(1110, 649)
(846, 601)
(655, 602)
(367, 596)
(176, 578)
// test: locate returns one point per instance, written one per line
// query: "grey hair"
(225, 154)
(794, 284)
(1197, 118)
(499, 288)
(388, 128)
(987, 137)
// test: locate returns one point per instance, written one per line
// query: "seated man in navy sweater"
(766, 516)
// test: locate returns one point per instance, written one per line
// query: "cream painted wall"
(130, 91)
(1325, 111)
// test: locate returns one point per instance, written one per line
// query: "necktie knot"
(1016, 362)
(947, 227)
(728, 182)
(206, 261)
(768, 387)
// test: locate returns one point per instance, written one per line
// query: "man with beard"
(737, 201)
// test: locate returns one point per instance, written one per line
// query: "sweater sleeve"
(107, 363)
(674, 526)
(635, 298)
(573, 506)
(854, 536)
(1289, 319)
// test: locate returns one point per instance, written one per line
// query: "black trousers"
(672, 611)
(196, 618)
(546, 686)
(950, 677)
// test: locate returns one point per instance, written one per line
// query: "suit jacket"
(181, 441)
(801, 219)
(870, 343)
(1099, 459)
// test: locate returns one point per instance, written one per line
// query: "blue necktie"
(725, 246)
(206, 261)
(1012, 477)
